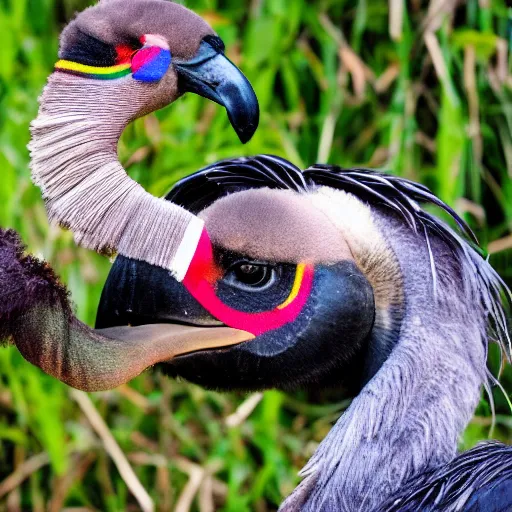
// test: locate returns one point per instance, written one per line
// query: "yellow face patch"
(299, 275)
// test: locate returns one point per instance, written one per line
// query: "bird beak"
(212, 75)
(101, 359)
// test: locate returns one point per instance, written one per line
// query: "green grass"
(333, 86)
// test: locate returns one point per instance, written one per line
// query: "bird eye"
(248, 275)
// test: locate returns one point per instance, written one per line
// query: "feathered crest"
(405, 197)
(201, 189)
(375, 188)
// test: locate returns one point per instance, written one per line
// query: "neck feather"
(75, 163)
(409, 416)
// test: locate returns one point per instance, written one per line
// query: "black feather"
(200, 190)
(477, 480)
(86, 49)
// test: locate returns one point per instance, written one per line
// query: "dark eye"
(248, 275)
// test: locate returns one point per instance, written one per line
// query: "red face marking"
(200, 281)
(124, 53)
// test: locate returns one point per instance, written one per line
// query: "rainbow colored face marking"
(147, 64)
(98, 73)
(203, 274)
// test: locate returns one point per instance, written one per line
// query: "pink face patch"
(200, 281)
(150, 63)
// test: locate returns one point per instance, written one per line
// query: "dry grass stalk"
(383, 83)
(425, 141)
(436, 55)
(244, 410)
(135, 398)
(22, 472)
(437, 11)
(396, 18)
(358, 70)
(62, 485)
(472, 94)
(502, 60)
(465, 205)
(196, 474)
(500, 245)
(114, 451)
(206, 501)
(200, 481)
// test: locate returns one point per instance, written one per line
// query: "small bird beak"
(101, 359)
(212, 75)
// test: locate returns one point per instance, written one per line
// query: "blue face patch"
(150, 63)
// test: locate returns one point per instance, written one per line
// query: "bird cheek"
(150, 64)
(160, 94)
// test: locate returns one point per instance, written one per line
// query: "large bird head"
(274, 264)
(140, 55)
(320, 278)
(314, 264)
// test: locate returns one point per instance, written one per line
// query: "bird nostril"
(215, 42)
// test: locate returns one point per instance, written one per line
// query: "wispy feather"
(451, 486)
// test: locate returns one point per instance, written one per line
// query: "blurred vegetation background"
(423, 89)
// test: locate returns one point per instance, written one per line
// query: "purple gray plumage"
(423, 386)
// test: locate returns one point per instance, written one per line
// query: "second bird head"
(127, 58)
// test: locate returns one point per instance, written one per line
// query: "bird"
(347, 280)
(323, 278)
(120, 60)
(253, 274)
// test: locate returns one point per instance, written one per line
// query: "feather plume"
(458, 484)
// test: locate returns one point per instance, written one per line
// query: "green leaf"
(485, 44)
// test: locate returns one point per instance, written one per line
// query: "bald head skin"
(283, 225)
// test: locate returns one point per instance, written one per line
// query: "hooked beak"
(212, 75)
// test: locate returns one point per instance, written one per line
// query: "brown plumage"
(116, 21)
(270, 215)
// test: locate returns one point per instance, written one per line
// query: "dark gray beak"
(212, 75)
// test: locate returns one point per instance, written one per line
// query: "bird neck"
(75, 163)
(409, 416)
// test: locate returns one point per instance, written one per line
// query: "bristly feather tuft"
(404, 197)
(400, 195)
(25, 282)
(198, 191)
